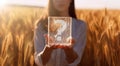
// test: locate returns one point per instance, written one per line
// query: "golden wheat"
(16, 36)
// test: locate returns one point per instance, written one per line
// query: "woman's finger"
(46, 37)
(71, 40)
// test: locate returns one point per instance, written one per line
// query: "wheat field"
(17, 29)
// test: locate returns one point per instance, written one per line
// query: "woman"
(59, 55)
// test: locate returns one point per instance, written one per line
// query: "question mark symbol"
(61, 29)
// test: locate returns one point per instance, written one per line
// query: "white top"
(79, 30)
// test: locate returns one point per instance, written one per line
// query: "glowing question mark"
(61, 29)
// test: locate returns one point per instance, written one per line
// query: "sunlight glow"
(2, 3)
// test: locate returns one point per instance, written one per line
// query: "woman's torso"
(58, 55)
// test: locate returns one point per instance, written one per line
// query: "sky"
(112, 4)
(94, 4)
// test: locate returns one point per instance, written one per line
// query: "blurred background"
(17, 19)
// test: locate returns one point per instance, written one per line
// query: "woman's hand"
(68, 49)
(71, 55)
(46, 53)
(49, 40)
(70, 44)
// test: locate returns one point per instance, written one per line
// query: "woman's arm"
(43, 57)
(80, 44)
(74, 53)
(42, 51)
(71, 55)
(46, 54)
